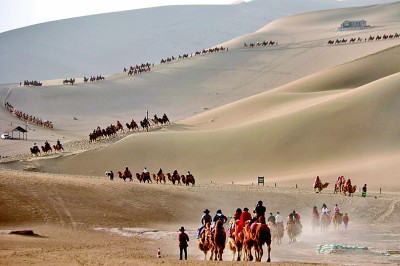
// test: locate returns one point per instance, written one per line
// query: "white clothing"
(278, 218)
(325, 210)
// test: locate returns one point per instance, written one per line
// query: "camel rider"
(126, 172)
(189, 174)
(35, 146)
(175, 173)
(133, 122)
(206, 218)
(219, 216)
(271, 218)
(159, 172)
(324, 210)
(315, 214)
(336, 209)
(145, 171)
(259, 211)
(245, 216)
(234, 220)
(317, 182)
(278, 218)
(296, 217)
(119, 124)
(58, 143)
(347, 185)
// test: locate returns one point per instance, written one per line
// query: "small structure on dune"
(353, 25)
(18, 129)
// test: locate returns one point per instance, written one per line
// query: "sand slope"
(339, 121)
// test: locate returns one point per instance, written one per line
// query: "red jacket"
(244, 217)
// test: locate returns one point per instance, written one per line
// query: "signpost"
(261, 180)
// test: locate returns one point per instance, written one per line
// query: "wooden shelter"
(19, 130)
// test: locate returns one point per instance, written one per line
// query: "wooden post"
(380, 190)
(296, 185)
(275, 184)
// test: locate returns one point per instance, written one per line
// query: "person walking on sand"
(183, 239)
(364, 191)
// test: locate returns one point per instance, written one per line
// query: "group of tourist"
(28, 118)
(30, 83)
(359, 39)
(341, 185)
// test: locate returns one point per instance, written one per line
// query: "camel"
(161, 177)
(47, 149)
(321, 186)
(274, 232)
(219, 240)
(247, 242)
(190, 180)
(35, 151)
(235, 243)
(337, 220)
(183, 179)
(261, 235)
(144, 177)
(351, 189)
(338, 188)
(292, 230)
(125, 175)
(324, 221)
(58, 148)
(174, 178)
(314, 223)
(281, 231)
(205, 243)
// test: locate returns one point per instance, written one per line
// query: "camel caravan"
(46, 149)
(260, 44)
(112, 130)
(369, 39)
(342, 186)
(145, 176)
(325, 219)
(245, 234)
(202, 52)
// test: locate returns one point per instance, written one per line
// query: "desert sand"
(288, 112)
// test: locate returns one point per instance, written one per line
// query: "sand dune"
(322, 123)
(287, 112)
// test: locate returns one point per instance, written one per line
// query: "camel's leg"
(269, 254)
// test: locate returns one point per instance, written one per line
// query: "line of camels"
(175, 178)
(46, 149)
(339, 188)
(370, 38)
(260, 44)
(252, 236)
(112, 130)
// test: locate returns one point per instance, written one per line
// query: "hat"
(238, 210)
(182, 229)
(219, 211)
(206, 211)
(270, 213)
(246, 209)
